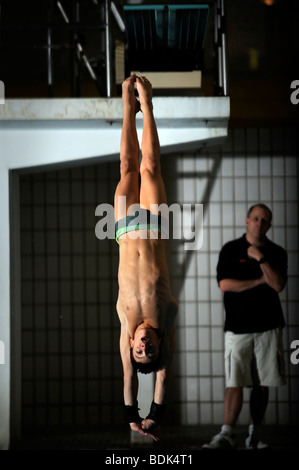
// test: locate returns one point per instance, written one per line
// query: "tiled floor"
(281, 438)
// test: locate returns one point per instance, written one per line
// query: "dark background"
(263, 43)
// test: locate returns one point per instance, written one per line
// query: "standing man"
(251, 271)
(145, 304)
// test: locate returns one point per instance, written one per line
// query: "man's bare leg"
(129, 151)
(258, 404)
(152, 190)
(233, 402)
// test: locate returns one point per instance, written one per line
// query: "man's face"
(258, 223)
(145, 346)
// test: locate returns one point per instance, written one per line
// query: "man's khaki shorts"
(254, 359)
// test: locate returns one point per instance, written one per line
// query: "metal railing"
(106, 10)
(220, 48)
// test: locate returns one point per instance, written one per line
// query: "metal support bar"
(49, 51)
(118, 17)
(79, 46)
(220, 48)
(75, 56)
(108, 53)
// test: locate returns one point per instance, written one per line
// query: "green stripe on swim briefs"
(137, 227)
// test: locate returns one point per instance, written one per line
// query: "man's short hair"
(262, 206)
(148, 367)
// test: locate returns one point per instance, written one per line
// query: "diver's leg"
(152, 190)
(128, 185)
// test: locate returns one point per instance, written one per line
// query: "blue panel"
(165, 37)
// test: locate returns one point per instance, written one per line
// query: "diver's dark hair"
(262, 206)
(147, 368)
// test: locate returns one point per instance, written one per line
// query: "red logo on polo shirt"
(242, 260)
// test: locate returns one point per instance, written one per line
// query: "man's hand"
(255, 253)
(137, 427)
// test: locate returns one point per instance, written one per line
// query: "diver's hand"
(137, 427)
(149, 424)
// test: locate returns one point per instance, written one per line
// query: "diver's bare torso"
(144, 286)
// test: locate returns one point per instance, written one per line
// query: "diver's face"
(145, 345)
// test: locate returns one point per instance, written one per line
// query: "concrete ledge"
(110, 109)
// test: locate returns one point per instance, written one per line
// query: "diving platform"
(41, 132)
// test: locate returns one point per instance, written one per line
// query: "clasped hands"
(145, 428)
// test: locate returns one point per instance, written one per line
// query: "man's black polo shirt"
(257, 309)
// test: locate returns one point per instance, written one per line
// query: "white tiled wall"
(253, 166)
(71, 367)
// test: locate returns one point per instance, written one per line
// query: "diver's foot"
(128, 94)
(145, 92)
